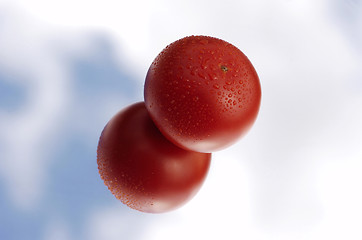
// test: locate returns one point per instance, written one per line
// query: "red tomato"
(202, 93)
(142, 168)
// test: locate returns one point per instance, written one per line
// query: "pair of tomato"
(201, 95)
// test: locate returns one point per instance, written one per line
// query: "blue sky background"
(66, 67)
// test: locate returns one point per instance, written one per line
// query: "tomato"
(142, 168)
(202, 93)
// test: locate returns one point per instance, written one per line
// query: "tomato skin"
(202, 93)
(142, 168)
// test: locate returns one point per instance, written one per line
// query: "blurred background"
(66, 67)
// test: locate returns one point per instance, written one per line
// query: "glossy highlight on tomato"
(142, 168)
(202, 93)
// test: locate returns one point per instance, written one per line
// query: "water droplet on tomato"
(204, 41)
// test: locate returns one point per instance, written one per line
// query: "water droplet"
(216, 86)
(204, 41)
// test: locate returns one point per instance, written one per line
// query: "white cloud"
(57, 229)
(293, 176)
(25, 55)
(117, 222)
